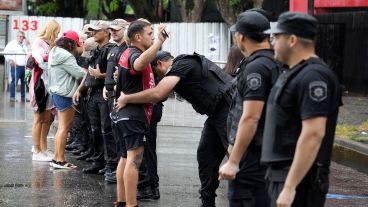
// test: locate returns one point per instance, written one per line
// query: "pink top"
(40, 52)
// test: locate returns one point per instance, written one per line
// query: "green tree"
(43, 7)
(148, 9)
(190, 10)
(92, 7)
(69, 8)
(229, 9)
(62, 8)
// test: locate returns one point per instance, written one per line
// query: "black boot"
(78, 150)
(155, 193)
(110, 177)
(102, 171)
(119, 204)
(208, 202)
(144, 193)
(94, 168)
(86, 154)
(72, 146)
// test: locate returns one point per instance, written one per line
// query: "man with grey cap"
(301, 117)
(117, 28)
(203, 84)
(251, 88)
(98, 110)
(86, 30)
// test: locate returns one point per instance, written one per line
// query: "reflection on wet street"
(27, 183)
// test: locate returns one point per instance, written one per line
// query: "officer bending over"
(203, 84)
(301, 117)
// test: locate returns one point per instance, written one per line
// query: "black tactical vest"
(280, 138)
(112, 61)
(205, 94)
(236, 110)
(99, 56)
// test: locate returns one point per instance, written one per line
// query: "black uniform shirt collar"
(258, 51)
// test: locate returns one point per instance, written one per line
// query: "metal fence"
(12, 110)
(210, 39)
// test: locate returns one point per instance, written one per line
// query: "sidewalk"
(353, 112)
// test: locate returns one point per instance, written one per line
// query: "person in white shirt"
(17, 64)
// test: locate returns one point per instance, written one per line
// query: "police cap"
(265, 13)
(250, 22)
(296, 23)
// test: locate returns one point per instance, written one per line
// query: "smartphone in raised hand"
(165, 34)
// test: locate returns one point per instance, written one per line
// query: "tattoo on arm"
(138, 160)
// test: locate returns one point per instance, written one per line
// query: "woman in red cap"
(63, 77)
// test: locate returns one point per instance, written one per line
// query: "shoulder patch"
(254, 81)
(318, 91)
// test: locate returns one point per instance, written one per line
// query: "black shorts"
(131, 134)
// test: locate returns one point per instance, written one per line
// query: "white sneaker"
(49, 153)
(41, 157)
(33, 149)
(62, 165)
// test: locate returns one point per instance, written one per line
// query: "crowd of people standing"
(272, 111)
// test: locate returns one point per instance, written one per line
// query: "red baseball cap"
(70, 34)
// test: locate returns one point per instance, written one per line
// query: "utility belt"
(111, 94)
(317, 176)
(93, 91)
(277, 174)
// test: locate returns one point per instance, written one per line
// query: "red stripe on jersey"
(124, 60)
(148, 82)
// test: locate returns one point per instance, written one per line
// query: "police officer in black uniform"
(82, 137)
(117, 29)
(203, 84)
(251, 88)
(98, 110)
(301, 117)
(81, 117)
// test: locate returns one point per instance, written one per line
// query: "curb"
(352, 145)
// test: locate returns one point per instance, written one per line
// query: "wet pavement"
(27, 183)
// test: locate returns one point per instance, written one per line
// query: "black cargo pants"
(103, 141)
(211, 151)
